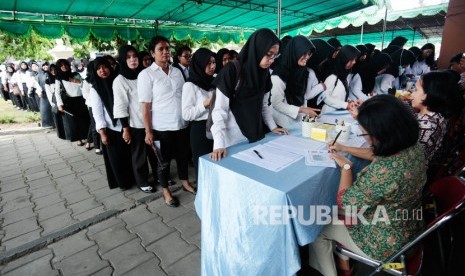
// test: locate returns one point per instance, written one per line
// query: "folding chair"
(449, 197)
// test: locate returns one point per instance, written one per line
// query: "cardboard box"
(320, 132)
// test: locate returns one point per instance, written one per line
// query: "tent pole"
(361, 35)
(278, 31)
(384, 25)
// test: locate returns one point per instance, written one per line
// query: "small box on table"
(320, 132)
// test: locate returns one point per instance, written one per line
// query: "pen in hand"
(335, 139)
(258, 154)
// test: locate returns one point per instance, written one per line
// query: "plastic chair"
(449, 198)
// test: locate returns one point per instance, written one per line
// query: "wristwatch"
(347, 167)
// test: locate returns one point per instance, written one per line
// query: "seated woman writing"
(392, 182)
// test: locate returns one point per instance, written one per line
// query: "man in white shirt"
(159, 88)
(184, 56)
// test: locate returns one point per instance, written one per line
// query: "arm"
(278, 98)
(219, 116)
(363, 153)
(314, 88)
(99, 116)
(49, 91)
(355, 88)
(334, 93)
(192, 108)
(267, 113)
(144, 93)
(121, 99)
(58, 95)
(386, 83)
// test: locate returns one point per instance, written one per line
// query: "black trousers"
(92, 135)
(140, 152)
(200, 144)
(117, 158)
(173, 144)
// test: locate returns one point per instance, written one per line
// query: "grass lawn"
(9, 114)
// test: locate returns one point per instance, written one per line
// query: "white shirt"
(192, 102)
(335, 95)
(50, 90)
(164, 91)
(383, 83)
(86, 92)
(126, 101)
(225, 130)
(100, 113)
(419, 68)
(355, 87)
(285, 114)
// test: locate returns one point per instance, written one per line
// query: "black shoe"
(147, 189)
(194, 192)
(173, 203)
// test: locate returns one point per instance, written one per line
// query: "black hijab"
(398, 41)
(247, 101)
(335, 43)
(51, 78)
(22, 69)
(61, 75)
(294, 75)
(219, 59)
(416, 51)
(430, 59)
(323, 52)
(363, 52)
(130, 74)
(104, 87)
(400, 57)
(338, 65)
(197, 68)
(369, 71)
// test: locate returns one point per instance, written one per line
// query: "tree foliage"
(30, 47)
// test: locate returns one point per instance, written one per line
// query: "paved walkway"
(58, 216)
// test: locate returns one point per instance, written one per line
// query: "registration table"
(245, 229)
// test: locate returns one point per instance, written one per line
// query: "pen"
(258, 154)
(335, 139)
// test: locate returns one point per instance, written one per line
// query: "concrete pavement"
(58, 216)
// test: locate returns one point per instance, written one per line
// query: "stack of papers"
(331, 119)
(267, 157)
(319, 158)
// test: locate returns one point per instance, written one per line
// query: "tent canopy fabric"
(224, 20)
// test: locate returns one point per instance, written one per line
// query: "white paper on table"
(319, 158)
(295, 145)
(273, 159)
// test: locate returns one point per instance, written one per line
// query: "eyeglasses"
(363, 134)
(187, 56)
(273, 56)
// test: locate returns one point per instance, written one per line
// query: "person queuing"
(34, 88)
(116, 151)
(368, 73)
(196, 98)
(145, 59)
(159, 88)
(392, 131)
(239, 113)
(92, 134)
(337, 93)
(457, 64)
(354, 79)
(50, 90)
(128, 109)
(70, 103)
(10, 85)
(20, 80)
(389, 81)
(183, 60)
(425, 60)
(294, 83)
(222, 58)
(45, 107)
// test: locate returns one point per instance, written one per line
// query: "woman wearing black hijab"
(239, 112)
(127, 108)
(196, 97)
(336, 44)
(425, 60)
(389, 82)
(50, 90)
(71, 103)
(376, 66)
(222, 58)
(322, 55)
(116, 152)
(291, 84)
(337, 93)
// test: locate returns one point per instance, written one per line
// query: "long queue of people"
(145, 109)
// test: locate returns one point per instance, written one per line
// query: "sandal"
(172, 203)
(80, 144)
(98, 152)
(147, 189)
(88, 146)
(194, 192)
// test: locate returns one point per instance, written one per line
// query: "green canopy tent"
(225, 20)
